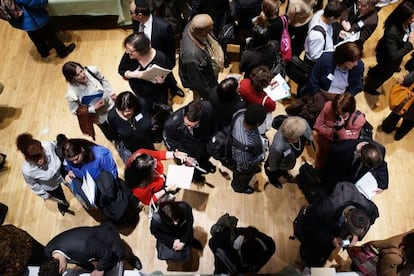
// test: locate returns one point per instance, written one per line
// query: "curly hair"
(260, 77)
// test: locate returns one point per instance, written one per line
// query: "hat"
(200, 24)
(358, 221)
(142, 4)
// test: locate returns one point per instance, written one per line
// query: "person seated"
(287, 145)
(317, 41)
(396, 254)
(247, 149)
(188, 130)
(252, 88)
(131, 123)
(225, 101)
(260, 50)
(96, 249)
(18, 251)
(362, 18)
(338, 221)
(350, 160)
(172, 227)
(246, 254)
(337, 72)
(144, 174)
(338, 120)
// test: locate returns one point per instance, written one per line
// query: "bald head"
(201, 25)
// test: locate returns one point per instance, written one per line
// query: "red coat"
(144, 194)
(251, 96)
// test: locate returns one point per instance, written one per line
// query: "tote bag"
(285, 42)
(401, 98)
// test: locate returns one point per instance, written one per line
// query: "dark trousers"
(273, 176)
(242, 178)
(58, 194)
(107, 131)
(315, 254)
(390, 124)
(298, 36)
(45, 39)
(38, 255)
(377, 75)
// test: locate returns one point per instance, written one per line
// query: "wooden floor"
(33, 101)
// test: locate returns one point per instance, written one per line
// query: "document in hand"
(351, 38)
(367, 185)
(91, 99)
(278, 88)
(154, 71)
(89, 188)
(179, 176)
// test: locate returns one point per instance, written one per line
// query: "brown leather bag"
(401, 98)
(86, 120)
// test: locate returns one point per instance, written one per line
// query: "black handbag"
(298, 70)
(169, 254)
(160, 114)
(227, 33)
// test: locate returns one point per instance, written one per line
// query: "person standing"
(160, 33)
(42, 170)
(397, 41)
(201, 57)
(96, 249)
(35, 21)
(247, 146)
(88, 87)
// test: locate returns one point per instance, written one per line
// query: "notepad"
(367, 185)
(278, 88)
(179, 176)
(91, 99)
(154, 71)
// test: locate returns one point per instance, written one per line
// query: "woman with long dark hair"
(397, 41)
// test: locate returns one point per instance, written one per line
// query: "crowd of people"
(237, 114)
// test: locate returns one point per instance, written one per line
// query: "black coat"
(84, 244)
(338, 166)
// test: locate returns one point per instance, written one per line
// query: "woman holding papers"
(88, 87)
(132, 125)
(144, 174)
(41, 169)
(93, 176)
(145, 68)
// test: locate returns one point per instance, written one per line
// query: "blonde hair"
(293, 127)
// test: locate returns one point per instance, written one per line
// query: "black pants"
(314, 254)
(273, 176)
(45, 39)
(390, 124)
(107, 131)
(58, 193)
(298, 36)
(242, 178)
(377, 75)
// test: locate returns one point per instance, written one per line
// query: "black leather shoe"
(137, 263)
(69, 49)
(196, 244)
(199, 178)
(2, 160)
(179, 92)
(277, 185)
(210, 167)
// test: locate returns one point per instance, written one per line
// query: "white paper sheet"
(179, 176)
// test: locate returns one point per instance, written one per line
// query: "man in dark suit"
(349, 160)
(160, 33)
(97, 249)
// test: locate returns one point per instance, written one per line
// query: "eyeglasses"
(129, 50)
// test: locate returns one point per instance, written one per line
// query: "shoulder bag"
(401, 98)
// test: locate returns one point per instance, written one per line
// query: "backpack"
(10, 11)
(225, 222)
(366, 130)
(220, 145)
(285, 42)
(310, 183)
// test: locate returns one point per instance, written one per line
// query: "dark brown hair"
(344, 103)
(140, 42)
(260, 77)
(31, 148)
(73, 147)
(69, 71)
(170, 211)
(349, 51)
